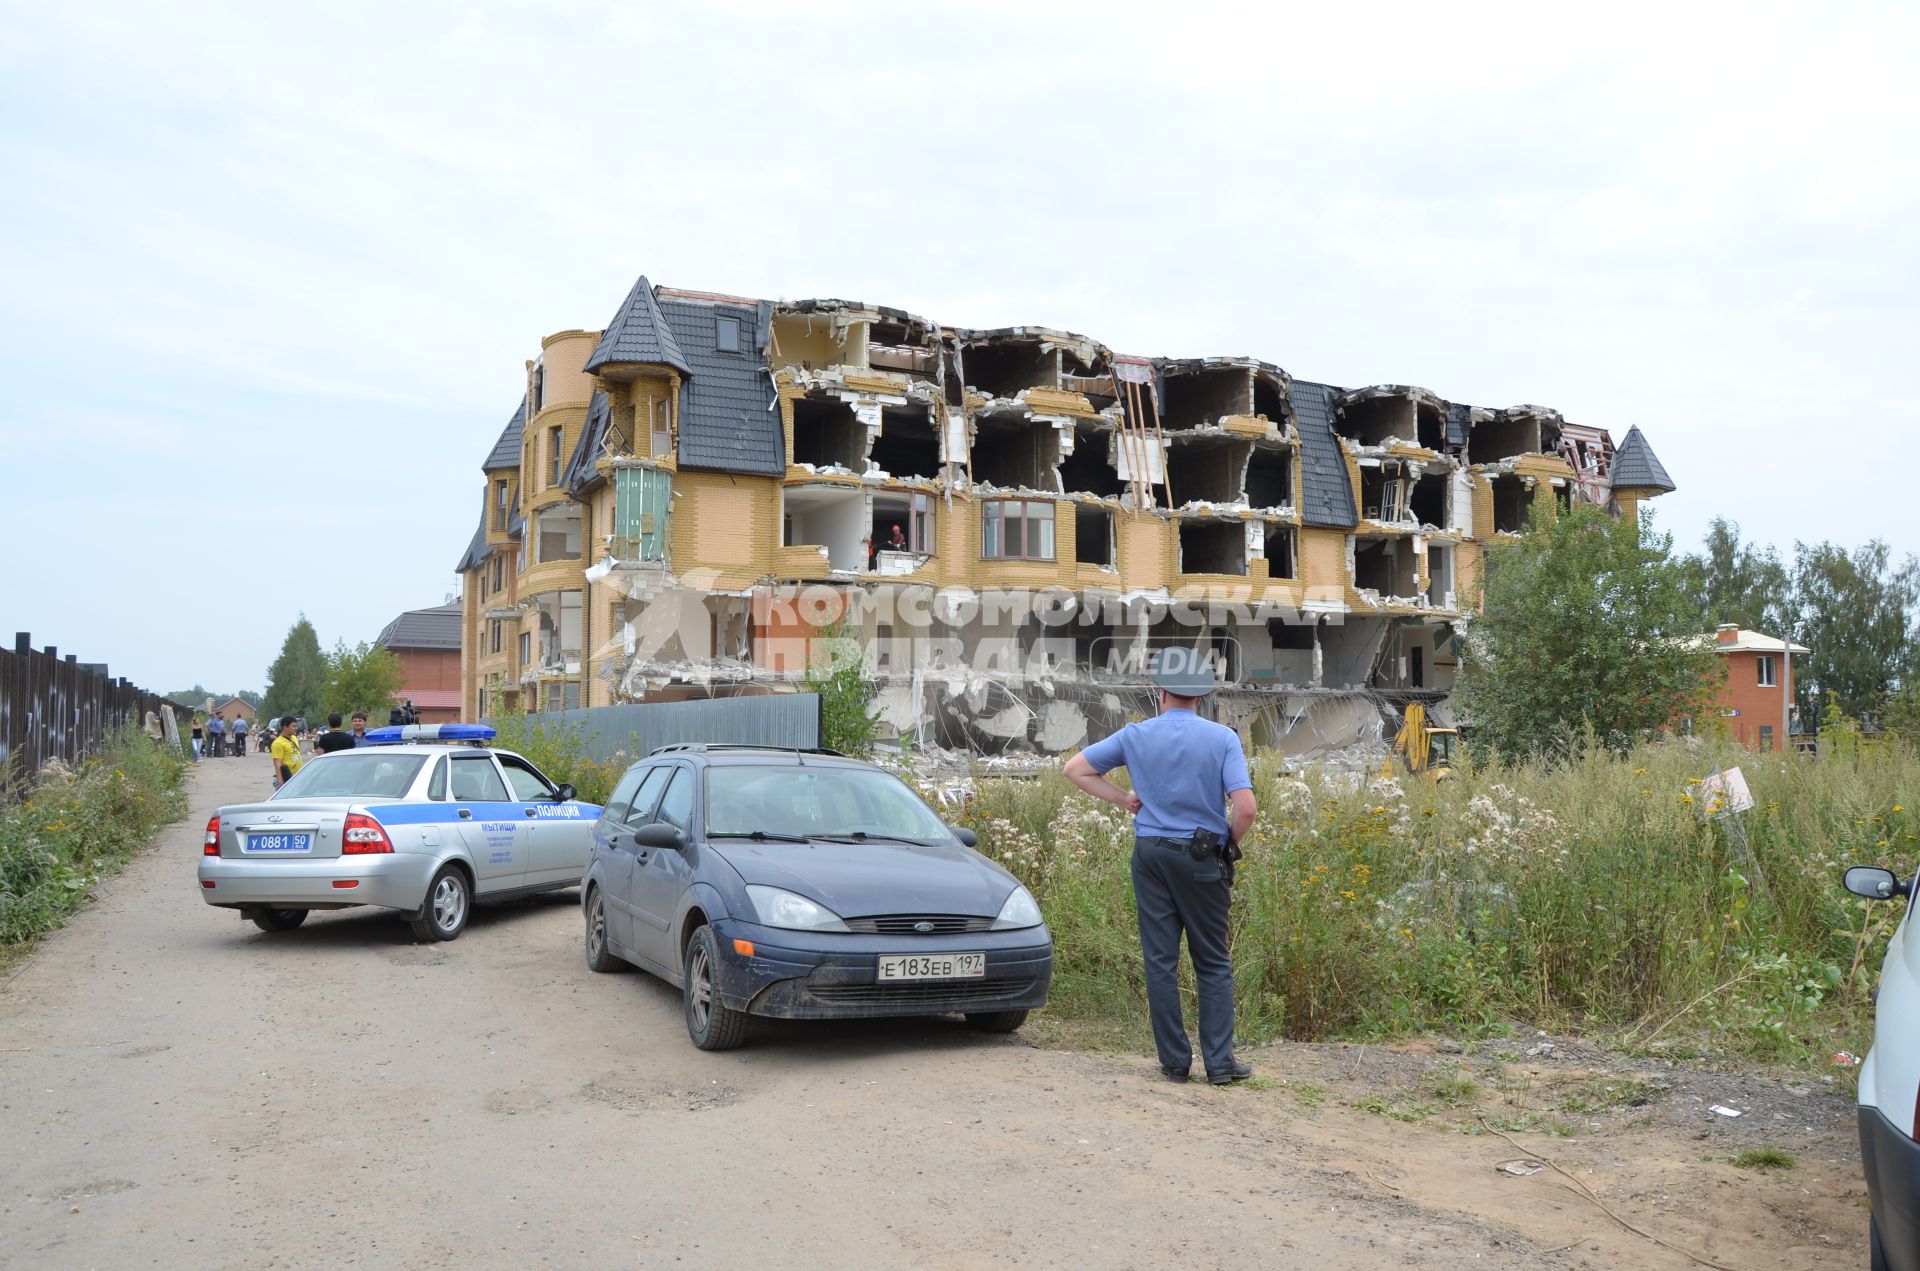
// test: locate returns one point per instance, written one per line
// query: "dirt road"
(179, 1089)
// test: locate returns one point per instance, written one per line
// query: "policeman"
(1186, 771)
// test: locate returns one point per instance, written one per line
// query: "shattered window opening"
(1016, 529)
(906, 446)
(1440, 587)
(1213, 547)
(1429, 500)
(1014, 452)
(1270, 476)
(1504, 437)
(827, 433)
(1009, 367)
(1207, 469)
(911, 515)
(1431, 427)
(1092, 534)
(1202, 398)
(1385, 566)
(832, 517)
(1376, 421)
(1512, 504)
(557, 533)
(1089, 470)
(1279, 549)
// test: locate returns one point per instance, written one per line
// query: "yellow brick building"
(1006, 519)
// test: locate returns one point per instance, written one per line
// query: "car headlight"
(1021, 910)
(779, 908)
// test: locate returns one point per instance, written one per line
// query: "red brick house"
(1753, 699)
(427, 642)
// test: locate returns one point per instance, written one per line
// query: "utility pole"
(1786, 691)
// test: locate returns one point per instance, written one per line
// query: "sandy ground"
(180, 1089)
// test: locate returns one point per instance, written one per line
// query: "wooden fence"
(59, 708)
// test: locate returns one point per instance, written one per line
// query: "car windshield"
(353, 775)
(817, 802)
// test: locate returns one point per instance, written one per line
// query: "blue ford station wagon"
(804, 885)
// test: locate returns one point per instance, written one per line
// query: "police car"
(425, 820)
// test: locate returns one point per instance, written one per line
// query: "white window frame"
(1767, 670)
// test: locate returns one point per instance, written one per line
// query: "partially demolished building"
(1002, 522)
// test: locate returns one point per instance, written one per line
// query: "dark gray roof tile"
(435, 628)
(580, 473)
(638, 334)
(1635, 464)
(477, 551)
(506, 451)
(1326, 494)
(727, 423)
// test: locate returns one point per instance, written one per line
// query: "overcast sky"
(267, 283)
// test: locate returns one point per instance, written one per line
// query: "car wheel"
(444, 915)
(1877, 1252)
(278, 919)
(711, 1025)
(996, 1021)
(599, 957)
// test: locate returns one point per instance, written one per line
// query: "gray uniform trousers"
(1172, 892)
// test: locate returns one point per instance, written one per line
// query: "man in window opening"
(1186, 771)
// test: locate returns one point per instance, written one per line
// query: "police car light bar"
(394, 734)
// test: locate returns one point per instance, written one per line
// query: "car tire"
(599, 957)
(711, 1025)
(1877, 1252)
(443, 915)
(278, 919)
(996, 1021)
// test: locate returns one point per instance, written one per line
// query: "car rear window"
(354, 775)
(815, 801)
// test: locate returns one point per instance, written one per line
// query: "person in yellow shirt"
(286, 753)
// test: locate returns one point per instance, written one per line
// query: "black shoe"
(1239, 1072)
(1180, 1075)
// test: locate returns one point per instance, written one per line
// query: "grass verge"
(76, 826)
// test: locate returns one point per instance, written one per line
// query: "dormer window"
(726, 334)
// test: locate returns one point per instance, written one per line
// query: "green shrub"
(1591, 895)
(559, 749)
(74, 827)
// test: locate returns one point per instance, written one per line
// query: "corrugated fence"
(776, 719)
(59, 708)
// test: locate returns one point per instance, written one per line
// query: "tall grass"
(1597, 895)
(559, 749)
(75, 826)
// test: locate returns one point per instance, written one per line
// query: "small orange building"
(1753, 700)
(427, 642)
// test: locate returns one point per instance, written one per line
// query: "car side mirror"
(566, 794)
(660, 835)
(967, 837)
(1873, 882)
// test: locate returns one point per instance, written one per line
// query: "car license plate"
(277, 844)
(934, 966)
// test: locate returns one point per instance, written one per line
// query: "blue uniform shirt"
(1183, 768)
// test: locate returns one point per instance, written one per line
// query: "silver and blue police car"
(424, 821)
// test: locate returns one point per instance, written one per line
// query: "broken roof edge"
(1373, 391)
(830, 305)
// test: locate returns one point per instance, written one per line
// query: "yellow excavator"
(1425, 751)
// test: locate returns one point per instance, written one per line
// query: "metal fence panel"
(54, 707)
(777, 719)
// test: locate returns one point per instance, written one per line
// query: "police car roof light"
(394, 734)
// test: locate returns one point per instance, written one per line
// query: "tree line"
(1591, 629)
(310, 684)
(1857, 612)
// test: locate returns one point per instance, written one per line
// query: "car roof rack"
(684, 746)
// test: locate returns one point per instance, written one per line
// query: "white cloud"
(321, 243)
